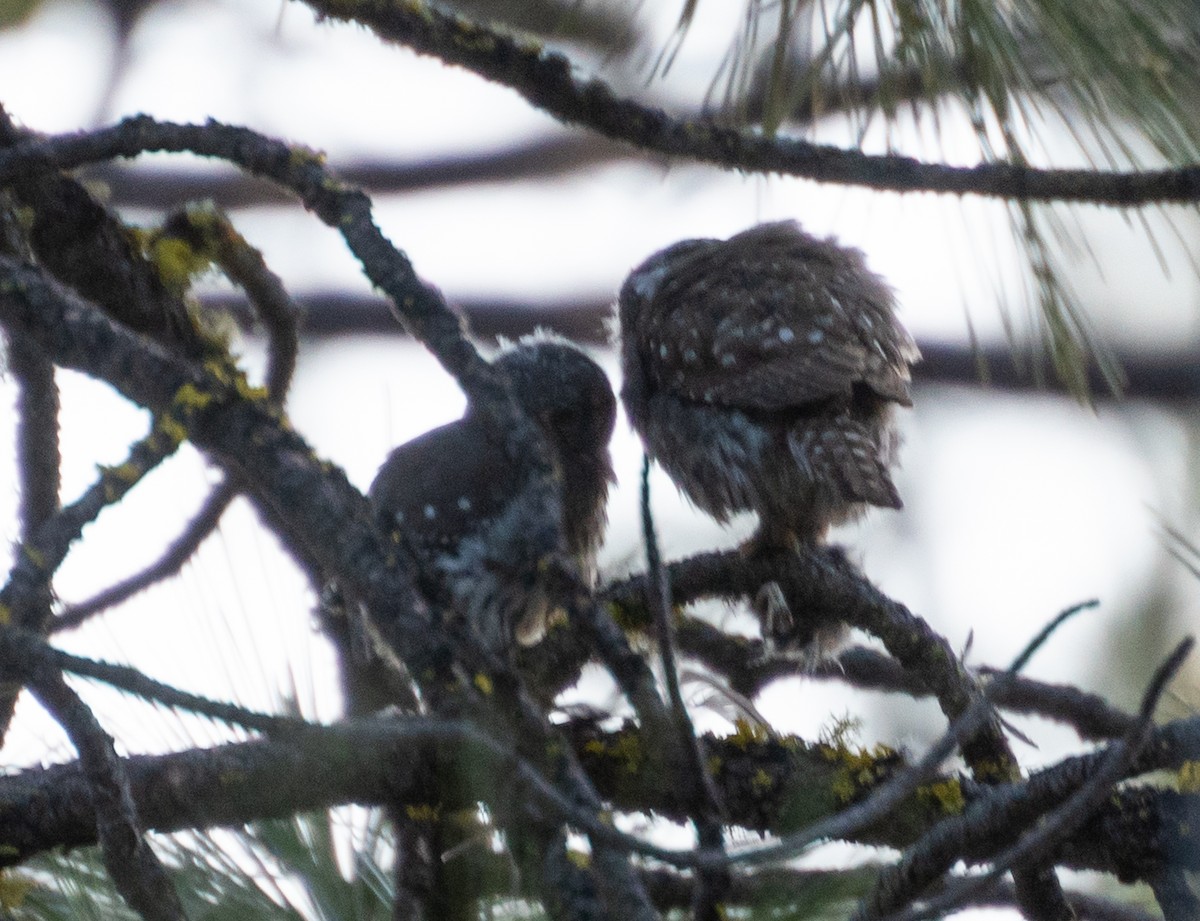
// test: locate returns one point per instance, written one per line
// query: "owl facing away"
(762, 372)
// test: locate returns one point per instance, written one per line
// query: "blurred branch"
(605, 28)
(40, 557)
(177, 553)
(164, 187)
(748, 668)
(548, 81)
(131, 863)
(692, 758)
(315, 508)
(898, 887)
(495, 730)
(1165, 376)
(767, 785)
(207, 235)
(85, 246)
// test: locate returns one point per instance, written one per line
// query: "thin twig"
(178, 552)
(708, 813)
(897, 885)
(132, 865)
(1054, 826)
(210, 232)
(884, 799)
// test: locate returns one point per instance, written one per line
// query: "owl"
(448, 493)
(762, 372)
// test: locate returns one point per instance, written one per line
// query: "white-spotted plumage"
(762, 371)
(448, 494)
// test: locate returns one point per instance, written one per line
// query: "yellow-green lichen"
(625, 618)
(857, 769)
(36, 557)
(946, 794)
(222, 369)
(112, 491)
(484, 683)
(14, 887)
(842, 788)
(209, 221)
(626, 749)
(176, 261)
(761, 782)
(1189, 777)
(299, 156)
(842, 734)
(5, 615)
(580, 858)
(248, 391)
(171, 428)
(117, 480)
(191, 398)
(423, 812)
(791, 743)
(127, 473)
(747, 733)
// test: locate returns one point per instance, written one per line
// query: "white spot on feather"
(645, 284)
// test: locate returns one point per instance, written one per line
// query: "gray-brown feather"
(449, 493)
(761, 372)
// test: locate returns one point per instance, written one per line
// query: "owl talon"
(774, 612)
(806, 643)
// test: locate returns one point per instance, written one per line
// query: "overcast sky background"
(1016, 506)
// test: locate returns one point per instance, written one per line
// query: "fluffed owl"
(762, 372)
(449, 492)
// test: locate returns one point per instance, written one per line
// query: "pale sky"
(1016, 507)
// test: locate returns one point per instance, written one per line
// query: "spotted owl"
(448, 493)
(762, 371)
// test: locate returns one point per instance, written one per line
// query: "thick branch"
(766, 785)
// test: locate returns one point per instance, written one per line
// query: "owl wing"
(775, 319)
(444, 485)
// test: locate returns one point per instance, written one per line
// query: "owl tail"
(845, 453)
